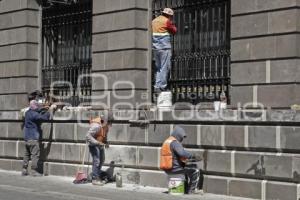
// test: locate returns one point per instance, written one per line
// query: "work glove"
(197, 156)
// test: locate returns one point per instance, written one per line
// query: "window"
(66, 51)
(200, 69)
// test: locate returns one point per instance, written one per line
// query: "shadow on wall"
(258, 167)
(44, 148)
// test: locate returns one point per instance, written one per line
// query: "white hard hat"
(168, 11)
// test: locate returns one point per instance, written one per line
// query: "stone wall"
(249, 157)
(265, 52)
(19, 30)
(121, 42)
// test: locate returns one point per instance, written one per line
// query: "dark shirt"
(32, 123)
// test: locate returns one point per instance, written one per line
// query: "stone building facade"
(247, 152)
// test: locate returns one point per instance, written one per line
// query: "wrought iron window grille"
(200, 70)
(66, 52)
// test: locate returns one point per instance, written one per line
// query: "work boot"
(24, 172)
(36, 174)
(97, 182)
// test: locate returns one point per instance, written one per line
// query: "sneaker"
(197, 191)
(36, 174)
(24, 172)
(97, 182)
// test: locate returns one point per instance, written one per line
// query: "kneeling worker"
(173, 159)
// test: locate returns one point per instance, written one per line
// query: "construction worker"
(97, 140)
(173, 158)
(162, 28)
(32, 136)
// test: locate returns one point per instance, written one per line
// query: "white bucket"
(217, 105)
(164, 99)
(176, 186)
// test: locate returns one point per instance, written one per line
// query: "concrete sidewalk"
(14, 186)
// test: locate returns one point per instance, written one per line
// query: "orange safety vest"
(166, 155)
(101, 136)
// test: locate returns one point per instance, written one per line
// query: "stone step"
(242, 187)
(278, 166)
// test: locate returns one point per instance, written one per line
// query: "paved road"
(15, 187)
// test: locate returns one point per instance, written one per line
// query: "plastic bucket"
(176, 186)
(164, 99)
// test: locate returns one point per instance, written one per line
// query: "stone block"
(128, 155)
(129, 99)
(130, 79)
(217, 161)
(73, 152)
(47, 131)
(3, 130)
(191, 133)
(136, 134)
(102, 6)
(82, 129)
(100, 42)
(289, 138)
(147, 177)
(248, 73)
(241, 95)
(10, 149)
(158, 133)
(62, 169)
(234, 136)
(240, 50)
(15, 131)
(56, 151)
(128, 19)
(21, 149)
(283, 21)
(118, 133)
(2, 147)
(127, 39)
(18, 68)
(262, 136)
(148, 157)
(249, 25)
(5, 164)
(263, 47)
(245, 188)
(279, 166)
(210, 135)
(281, 191)
(249, 163)
(64, 131)
(24, 51)
(282, 95)
(284, 71)
(245, 6)
(215, 185)
(287, 46)
(9, 115)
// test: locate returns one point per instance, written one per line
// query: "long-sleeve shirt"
(32, 123)
(178, 153)
(162, 28)
(92, 134)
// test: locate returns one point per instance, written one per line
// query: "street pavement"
(15, 187)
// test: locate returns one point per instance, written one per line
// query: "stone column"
(121, 66)
(265, 52)
(18, 52)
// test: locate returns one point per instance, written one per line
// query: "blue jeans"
(163, 65)
(98, 156)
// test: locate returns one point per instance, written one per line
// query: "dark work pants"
(194, 179)
(32, 151)
(98, 155)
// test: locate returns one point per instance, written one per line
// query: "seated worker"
(97, 140)
(173, 158)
